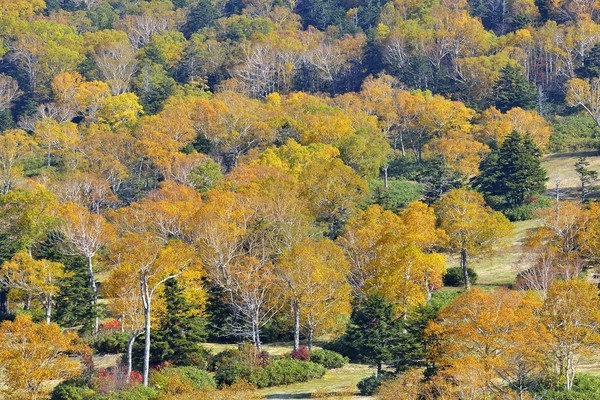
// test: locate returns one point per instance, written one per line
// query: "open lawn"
(561, 166)
(274, 349)
(502, 267)
(336, 384)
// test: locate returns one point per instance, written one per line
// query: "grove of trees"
(177, 171)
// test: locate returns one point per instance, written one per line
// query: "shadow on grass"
(587, 153)
(289, 396)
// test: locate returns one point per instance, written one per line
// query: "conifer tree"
(513, 90)
(591, 63)
(178, 337)
(74, 305)
(513, 172)
(587, 177)
(374, 331)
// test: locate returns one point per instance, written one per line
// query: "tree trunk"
(378, 369)
(146, 301)
(256, 336)
(94, 293)
(296, 308)
(27, 305)
(130, 343)
(385, 176)
(3, 301)
(48, 308)
(402, 149)
(311, 334)
(463, 264)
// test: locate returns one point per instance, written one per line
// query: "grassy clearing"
(106, 360)
(562, 166)
(502, 267)
(275, 349)
(336, 384)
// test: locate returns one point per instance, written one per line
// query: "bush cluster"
(72, 389)
(329, 359)
(281, 372)
(111, 343)
(182, 380)
(584, 387)
(368, 386)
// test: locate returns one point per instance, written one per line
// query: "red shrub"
(110, 326)
(114, 380)
(301, 354)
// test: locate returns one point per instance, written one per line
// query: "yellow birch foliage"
(33, 354)
(15, 147)
(314, 275)
(483, 339)
(34, 277)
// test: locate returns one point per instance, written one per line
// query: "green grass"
(561, 166)
(275, 349)
(337, 383)
(501, 268)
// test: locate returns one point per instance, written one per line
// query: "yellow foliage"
(33, 354)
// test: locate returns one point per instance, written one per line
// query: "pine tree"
(586, 176)
(177, 340)
(513, 172)
(374, 331)
(74, 303)
(591, 63)
(513, 90)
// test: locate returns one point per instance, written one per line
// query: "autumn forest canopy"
(324, 173)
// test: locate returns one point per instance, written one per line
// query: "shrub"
(200, 379)
(182, 380)
(259, 377)
(454, 276)
(520, 213)
(110, 326)
(223, 358)
(231, 372)
(529, 210)
(327, 358)
(369, 385)
(584, 387)
(72, 390)
(280, 372)
(245, 354)
(301, 354)
(114, 379)
(286, 371)
(111, 343)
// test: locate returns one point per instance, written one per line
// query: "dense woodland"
(322, 172)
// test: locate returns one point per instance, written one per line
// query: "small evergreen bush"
(72, 389)
(369, 385)
(280, 372)
(286, 371)
(454, 277)
(111, 343)
(327, 358)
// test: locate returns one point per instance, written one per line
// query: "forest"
(210, 199)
